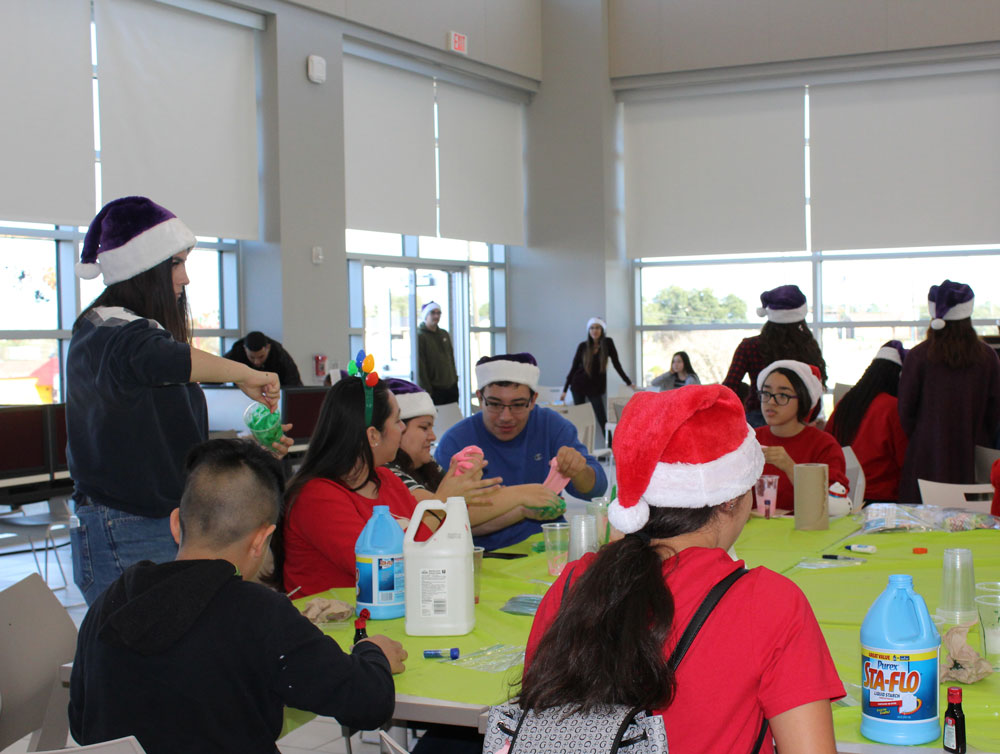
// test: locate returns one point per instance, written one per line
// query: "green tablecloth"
(840, 597)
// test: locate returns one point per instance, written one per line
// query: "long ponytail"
(606, 644)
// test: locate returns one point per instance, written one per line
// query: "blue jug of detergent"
(378, 556)
(899, 668)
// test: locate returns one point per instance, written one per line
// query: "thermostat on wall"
(316, 69)
(458, 42)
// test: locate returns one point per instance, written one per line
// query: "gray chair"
(855, 477)
(129, 745)
(36, 638)
(972, 497)
(39, 527)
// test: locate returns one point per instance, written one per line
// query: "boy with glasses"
(518, 441)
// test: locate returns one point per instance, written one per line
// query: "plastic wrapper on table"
(881, 517)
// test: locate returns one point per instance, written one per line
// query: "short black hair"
(508, 383)
(254, 341)
(233, 487)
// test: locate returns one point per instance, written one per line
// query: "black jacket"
(596, 383)
(188, 657)
(278, 361)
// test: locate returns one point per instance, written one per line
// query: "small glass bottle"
(360, 632)
(954, 722)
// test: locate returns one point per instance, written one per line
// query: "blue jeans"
(108, 541)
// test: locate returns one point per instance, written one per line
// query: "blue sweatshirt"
(522, 460)
(131, 414)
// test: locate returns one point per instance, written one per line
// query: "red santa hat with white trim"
(686, 448)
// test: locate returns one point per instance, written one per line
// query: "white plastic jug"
(440, 586)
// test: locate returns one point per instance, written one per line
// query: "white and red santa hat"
(686, 448)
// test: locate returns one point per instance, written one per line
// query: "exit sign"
(458, 42)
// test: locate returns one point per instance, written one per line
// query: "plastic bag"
(880, 517)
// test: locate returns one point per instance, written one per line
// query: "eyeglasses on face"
(780, 399)
(496, 407)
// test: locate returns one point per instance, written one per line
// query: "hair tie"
(363, 366)
(641, 536)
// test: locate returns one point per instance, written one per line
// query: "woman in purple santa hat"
(133, 405)
(604, 631)
(949, 394)
(784, 336)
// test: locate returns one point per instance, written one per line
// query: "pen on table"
(289, 595)
(844, 557)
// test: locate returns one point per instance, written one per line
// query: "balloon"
(352, 368)
(372, 379)
(369, 363)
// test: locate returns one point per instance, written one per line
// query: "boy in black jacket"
(187, 656)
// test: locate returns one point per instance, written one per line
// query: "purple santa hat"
(429, 307)
(783, 305)
(413, 400)
(949, 301)
(128, 236)
(892, 351)
(520, 368)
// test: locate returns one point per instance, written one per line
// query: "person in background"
(519, 440)
(418, 470)
(190, 656)
(867, 419)
(436, 371)
(680, 374)
(266, 354)
(790, 397)
(686, 461)
(133, 405)
(783, 336)
(949, 394)
(588, 374)
(342, 478)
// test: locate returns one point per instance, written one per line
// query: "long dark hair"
(791, 340)
(602, 352)
(150, 294)
(339, 443)
(881, 376)
(956, 345)
(622, 602)
(686, 360)
(428, 474)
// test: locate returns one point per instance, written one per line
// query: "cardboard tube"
(811, 490)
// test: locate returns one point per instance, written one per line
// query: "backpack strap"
(704, 610)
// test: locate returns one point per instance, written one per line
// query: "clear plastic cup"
(582, 535)
(957, 587)
(599, 510)
(988, 607)
(477, 568)
(765, 490)
(556, 537)
(987, 587)
(262, 423)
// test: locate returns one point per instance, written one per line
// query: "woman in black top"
(588, 376)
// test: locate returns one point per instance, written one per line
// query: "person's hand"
(281, 446)
(569, 461)
(469, 482)
(562, 397)
(539, 503)
(778, 456)
(548, 513)
(263, 387)
(392, 650)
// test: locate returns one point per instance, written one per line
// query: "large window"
(392, 276)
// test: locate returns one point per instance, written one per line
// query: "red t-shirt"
(880, 445)
(760, 653)
(323, 525)
(811, 445)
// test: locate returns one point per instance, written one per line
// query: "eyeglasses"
(780, 399)
(516, 408)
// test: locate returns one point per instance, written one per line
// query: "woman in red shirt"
(603, 632)
(343, 476)
(867, 419)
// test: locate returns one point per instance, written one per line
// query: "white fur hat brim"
(508, 371)
(701, 485)
(597, 321)
(889, 354)
(415, 404)
(141, 253)
(813, 386)
(784, 316)
(958, 311)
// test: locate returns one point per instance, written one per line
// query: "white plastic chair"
(448, 416)
(40, 526)
(36, 637)
(855, 477)
(957, 495)
(984, 463)
(548, 394)
(839, 391)
(583, 418)
(128, 745)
